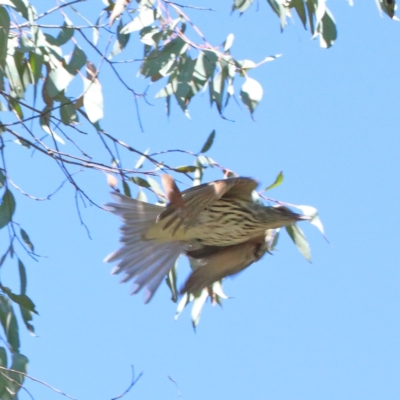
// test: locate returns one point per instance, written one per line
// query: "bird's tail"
(148, 261)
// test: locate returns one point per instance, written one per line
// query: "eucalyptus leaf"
(278, 181)
(210, 140)
(297, 235)
(7, 208)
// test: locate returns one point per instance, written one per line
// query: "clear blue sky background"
(294, 330)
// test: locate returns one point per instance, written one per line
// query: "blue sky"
(293, 330)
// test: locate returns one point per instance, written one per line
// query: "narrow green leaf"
(278, 181)
(185, 168)
(9, 323)
(299, 240)
(16, 85)
(139, 181)
(4, 30)
(7, 208)
(21, 299)
(26, 239)
(142, 159)
(217, 89)
(27, 318)
(127, 190)
(22, 276)
(2, 178)
(209, 142)
(3, 379)
(298, 5)
(185, 300)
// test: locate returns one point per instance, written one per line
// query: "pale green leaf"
(299, 240)
(198, 304)
(145, 18)
(251, 93)
(142, 159)
(229, 41)
(93, 99)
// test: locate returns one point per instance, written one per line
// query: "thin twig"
(134, 381)
(38, 381)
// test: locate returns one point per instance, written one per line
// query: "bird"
(217, 225)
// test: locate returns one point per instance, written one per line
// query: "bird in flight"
(217, 225)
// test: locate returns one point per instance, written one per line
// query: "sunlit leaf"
(229, 41)
(278, 181)
(142, 159)
(119, 7)
(197, 306)
(145, 18)
(241, 5)
(121, 42)
(315, 220)
(184, 301)
(93, 99)
(299, 240)
(172, 281)
(251, 93)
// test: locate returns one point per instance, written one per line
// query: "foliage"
(50, 79)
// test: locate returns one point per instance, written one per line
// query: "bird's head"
(281, 216)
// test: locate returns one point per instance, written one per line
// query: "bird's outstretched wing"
(184, 207)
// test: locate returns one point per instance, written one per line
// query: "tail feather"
(145, 261)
